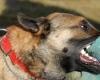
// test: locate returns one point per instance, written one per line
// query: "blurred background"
(36, 8)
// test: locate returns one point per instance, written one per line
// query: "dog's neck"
(24, 43)
(46, 52)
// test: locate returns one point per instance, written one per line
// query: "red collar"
(7, 50)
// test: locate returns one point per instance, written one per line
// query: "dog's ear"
(28, 23)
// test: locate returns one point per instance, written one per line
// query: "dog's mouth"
(86, 58)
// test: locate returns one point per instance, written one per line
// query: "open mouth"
(86, 58)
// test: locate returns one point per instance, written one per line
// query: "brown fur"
(42, 51)
(24, 42)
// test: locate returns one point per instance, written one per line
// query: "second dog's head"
(63, 40)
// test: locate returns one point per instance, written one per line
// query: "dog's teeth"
(88, 46)
(86, 54)
(94, 59)
(83, 52)
(90, 58)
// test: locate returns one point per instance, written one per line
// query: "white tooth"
(86, 54)
(83, 52)
(90, 57)
(94, 59)
(88, 46)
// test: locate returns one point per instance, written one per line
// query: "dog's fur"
(50, 46)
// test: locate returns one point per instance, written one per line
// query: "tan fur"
(43, 55)
(23, 41)
(19, 36)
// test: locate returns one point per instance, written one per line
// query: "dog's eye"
(84, 25)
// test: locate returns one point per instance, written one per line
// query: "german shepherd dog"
(49, 46)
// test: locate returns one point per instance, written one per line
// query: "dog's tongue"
(94, 49)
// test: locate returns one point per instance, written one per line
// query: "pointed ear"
(2, 32)
(27, 23)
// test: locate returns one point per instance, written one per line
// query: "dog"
(50, 47)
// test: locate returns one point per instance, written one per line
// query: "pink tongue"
(86, 59)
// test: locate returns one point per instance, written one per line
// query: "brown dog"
(49, 46)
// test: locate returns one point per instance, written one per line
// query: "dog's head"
(65, 36)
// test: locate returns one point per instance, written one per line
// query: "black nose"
(2, 32)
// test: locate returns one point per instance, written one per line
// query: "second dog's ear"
(28, 23)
